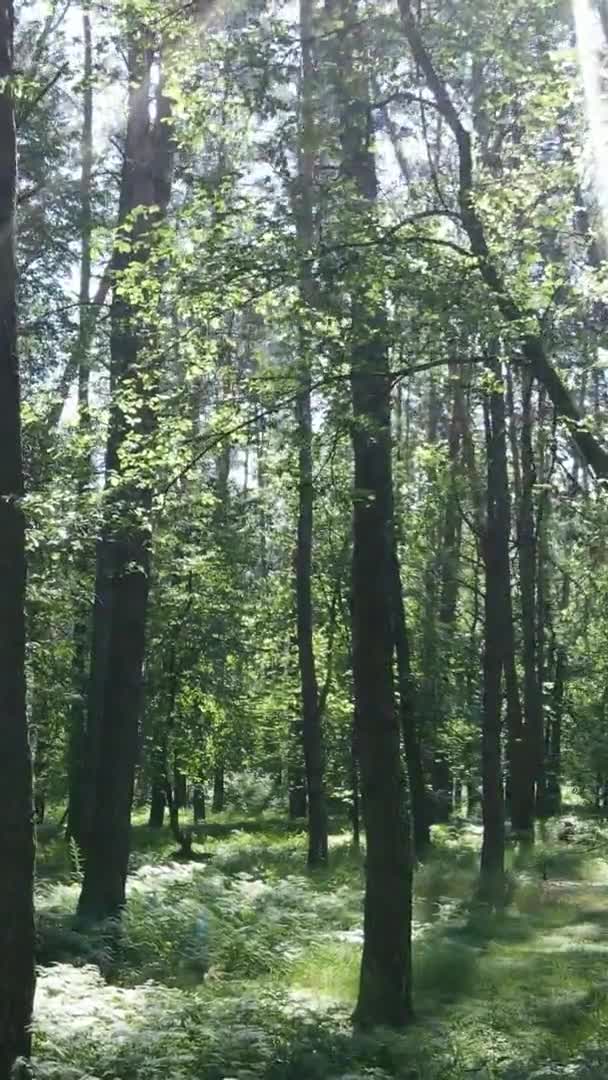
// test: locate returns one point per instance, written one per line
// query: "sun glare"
(589, 43)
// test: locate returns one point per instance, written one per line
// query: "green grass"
(247, 967)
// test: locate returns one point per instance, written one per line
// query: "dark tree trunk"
(519, 788)
(407, 711)
(554, 757)
(77, 793)
(355, 809)
(496, 559)
(158, 803)
(533, 752)
(16, 800)
(218, 800)
(543, 608)
(385, 981)
(180, 783)
(312, 735)
(553, 798)
(430, 696)
(198, 804)
(123, 557)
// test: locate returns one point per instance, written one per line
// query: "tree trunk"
(123, 557)
(553, 797)
(297, 795)
(407, 711)
(180, 783)
(77, 793)
(554, 763)
(198, 804)
(533, 754)
(312, 736)
(218, 800)
(16, 800)
(158, 803)
(496, 558)
(385, 981)
(431, 696)
(355, 809)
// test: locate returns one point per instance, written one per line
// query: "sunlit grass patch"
(248, 966)
(329, 970)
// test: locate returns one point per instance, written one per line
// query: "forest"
(303, 539)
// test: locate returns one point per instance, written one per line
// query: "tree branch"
(532, 345)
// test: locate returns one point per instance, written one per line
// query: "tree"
(123, 555)
(77, 735)
(495, 544)
(385, 981)
(312, 703)
(16, 801)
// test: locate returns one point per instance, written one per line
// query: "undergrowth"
(247, 966)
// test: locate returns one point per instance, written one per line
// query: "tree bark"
(527, 545)
(158, 803)
(16, 799)
(198, 804)
(77, 722)
(312, 735)
(407, 711)
(385, 981)
(218, 800)
(496, 559)
(123, 556)
(430, 695)
(554, 761)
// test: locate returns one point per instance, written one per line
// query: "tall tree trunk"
(407, 711)
(554, 761)
(448, 576)
(158, 803)
(385, 981)
(217, 804)
(430, 697)
(312, 735)
(520, 783)
(496, 559)
(543, 604)
(123, 557)
(533, 732)
(198, 804)
(77, 723)
(355, 808)
(16, 801)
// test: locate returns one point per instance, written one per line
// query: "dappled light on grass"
(248, 967)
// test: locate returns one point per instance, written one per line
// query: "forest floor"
(246, 966)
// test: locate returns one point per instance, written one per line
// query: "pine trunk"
(123, 556)
(385, 980)
(77, 793)
(533, 751)
(312, 736)
(218, 799)
(496, 562)
(158, 804)
(16, 798)
(198, 804)
(407, 711)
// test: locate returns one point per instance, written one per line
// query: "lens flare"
(589, 39)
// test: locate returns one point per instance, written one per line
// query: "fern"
(76, 862)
